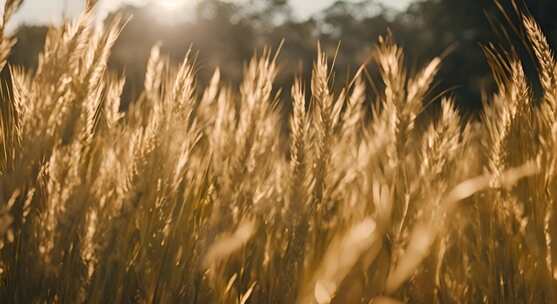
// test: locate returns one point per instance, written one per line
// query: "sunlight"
(169, 11)
(171, 4)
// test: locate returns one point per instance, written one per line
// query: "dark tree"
(226, 34)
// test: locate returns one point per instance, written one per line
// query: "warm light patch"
(171, 4)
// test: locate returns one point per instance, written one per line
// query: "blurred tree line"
(226, 34)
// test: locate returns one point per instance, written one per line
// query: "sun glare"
(171, 11)
(171, 4)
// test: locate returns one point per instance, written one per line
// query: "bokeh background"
(226, 34)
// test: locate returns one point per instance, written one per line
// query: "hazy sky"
(45, 11)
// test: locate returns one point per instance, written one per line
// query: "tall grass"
(196, 196)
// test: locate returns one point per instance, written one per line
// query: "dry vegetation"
(197, 197)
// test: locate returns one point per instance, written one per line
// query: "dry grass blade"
(9, 130)
(425, 234)
(7, 42)
(227, 244)
(10, 7)
(338, 261)
(544, 54)
(90, 4)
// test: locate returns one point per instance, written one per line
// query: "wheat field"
(199, 196)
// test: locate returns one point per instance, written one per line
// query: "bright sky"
(47, 11)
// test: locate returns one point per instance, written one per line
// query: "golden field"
(200, 196)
